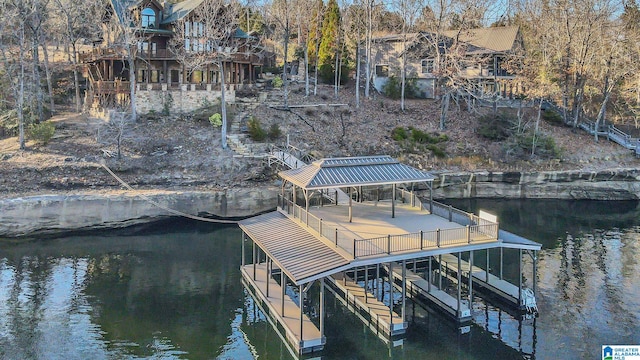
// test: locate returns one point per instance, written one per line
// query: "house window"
(382, 70)
(428, 66)
(148, 18)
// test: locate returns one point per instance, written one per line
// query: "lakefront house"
(163, 80)
(477, 57)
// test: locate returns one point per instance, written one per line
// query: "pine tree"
(330, 28)
(315, 28)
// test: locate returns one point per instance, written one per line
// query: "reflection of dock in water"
(353, 248)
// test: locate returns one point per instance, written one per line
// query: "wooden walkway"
(504, 289)
(310, 340)
(417, 287)
(378, 313)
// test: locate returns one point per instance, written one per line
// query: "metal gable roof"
(354, 171)
(302, 256)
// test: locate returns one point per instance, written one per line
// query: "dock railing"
(474, 230)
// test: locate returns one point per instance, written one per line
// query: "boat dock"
(510, 293)
(418, 287)
(300, 249)
(303, 335)
(363, 302)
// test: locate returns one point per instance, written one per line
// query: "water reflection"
(174, 291)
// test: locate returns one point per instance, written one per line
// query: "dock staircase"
(609, 130)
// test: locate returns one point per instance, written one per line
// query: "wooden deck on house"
(302, 339)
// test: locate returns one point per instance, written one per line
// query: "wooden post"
(470, 278)
(535, 272)
(486, 274)
(459, 283)
(254, 260)
(429, 282)
(501, 263)
(268, 262)
(377, 281)
(321, 308)
(366, 284)
(404, 289)
(243, 240)
(393, 201)
(350, 210)
(519, 277)
(439, 272)
(390, 296)
(283, 286)
(301, 301)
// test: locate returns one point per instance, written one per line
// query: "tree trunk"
(603, 110)
(48, 75)
(306, 71)
(132, 85)
(76, 78)
(444, 110)
(335, 77)
(368, 48)
(357, 76)
(223, 107)
(535, 132)
(285, 78)
(36, 77)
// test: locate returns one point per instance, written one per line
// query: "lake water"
(172, 290)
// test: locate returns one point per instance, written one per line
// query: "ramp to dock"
(504, 289)
(351, 293)
(302, 338)
(419, 287)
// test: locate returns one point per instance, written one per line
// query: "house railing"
(476, 230)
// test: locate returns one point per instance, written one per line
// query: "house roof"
(178, 11)
(480, 41)
(354, 171)
(496, 39)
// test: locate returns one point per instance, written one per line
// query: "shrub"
(495, 127)
(436, 150)
(399, 134)
(42, 132)
(215, 120)
(552, 117)
(277, 82)
(274, 132)
(392, 88)
(256, 131)
(545, 146)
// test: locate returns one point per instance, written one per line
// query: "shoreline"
(78, 210)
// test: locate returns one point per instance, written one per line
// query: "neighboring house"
(162, 81)
(478, 59)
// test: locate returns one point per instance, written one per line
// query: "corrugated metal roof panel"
(300, 254)
(354, 171)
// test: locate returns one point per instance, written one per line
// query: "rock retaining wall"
(50, 214)
(618, 184)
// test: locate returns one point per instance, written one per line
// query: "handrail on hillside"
(475, 230)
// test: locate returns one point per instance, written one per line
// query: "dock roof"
(354, 171)
(300, 254)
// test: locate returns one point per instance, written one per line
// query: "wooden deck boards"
(503, 288)
(378, 311)
(417, 286)
(290, 319)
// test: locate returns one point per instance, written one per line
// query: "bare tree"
(207, 36)
(71, 19)
(13, 47)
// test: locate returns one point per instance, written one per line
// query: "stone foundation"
(176, 100)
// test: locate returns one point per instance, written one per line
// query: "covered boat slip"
(300, 244)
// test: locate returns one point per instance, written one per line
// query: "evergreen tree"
(330, 34)
(315, 28)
